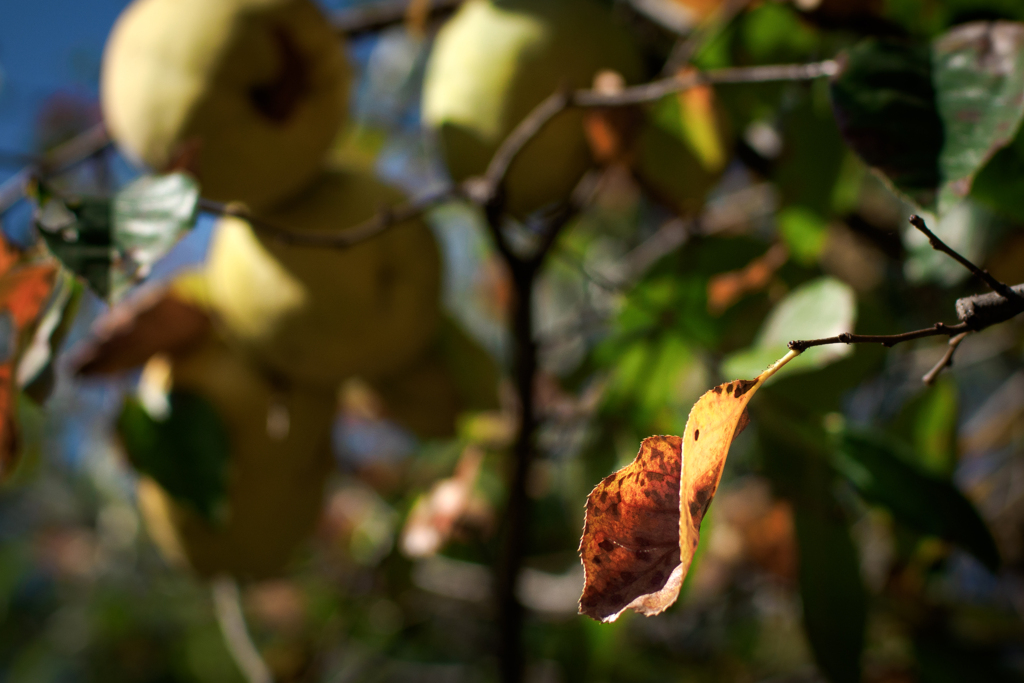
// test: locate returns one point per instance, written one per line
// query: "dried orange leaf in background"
(26, 283)
(643, 522)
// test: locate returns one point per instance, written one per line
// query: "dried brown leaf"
(643, 522)
(160, 320)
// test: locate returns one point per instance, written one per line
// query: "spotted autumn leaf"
(643, 522)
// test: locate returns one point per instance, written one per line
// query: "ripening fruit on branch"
(278, 462)
(320, 315)
(494, 61)
(246, 94)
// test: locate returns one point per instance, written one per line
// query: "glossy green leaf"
(930, 119)
(823, 307)
(186, 452)
(149, 216)
(926, 503)
(978, 71)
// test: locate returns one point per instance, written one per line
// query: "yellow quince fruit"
(246, 94)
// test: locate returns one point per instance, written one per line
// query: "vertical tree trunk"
(517, 510)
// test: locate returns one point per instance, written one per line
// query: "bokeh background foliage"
(868, 527)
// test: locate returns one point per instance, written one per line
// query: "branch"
(482, 191)
(975, 312)
(886, 340)
(60, 159)
(946, 360)
(655, 90)
(938, 245)
(375, 16)
(385, 219)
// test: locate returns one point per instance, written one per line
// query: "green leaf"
(823, 307)
(833, 596)
(149, 216)
(186, 452)
(795, 450)
(112, 244)
(1000, 184)
(35, 366)
(929, 119)
(923, 502)
(978, 71)
(78, 233)
(804, 232)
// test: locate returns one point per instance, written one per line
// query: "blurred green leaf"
(1000, 183)
(813, 151)
(823, 307)
(921, 501)
(35, 372)
(884, 103)
(804, 233)
(112, 244)
(834, 600)
(186, 453)
(78, 233)
(773, 32)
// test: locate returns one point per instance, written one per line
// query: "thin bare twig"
(886, 340)
(975, 312)
(938, 245)
(62, 158)
(227, 605)
(655, 90)
(946, 360)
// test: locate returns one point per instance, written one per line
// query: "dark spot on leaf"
(606, 545)
(717, 389)
(743, 386)
(728, 388)
(696, 434)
